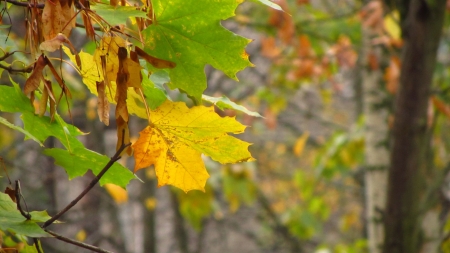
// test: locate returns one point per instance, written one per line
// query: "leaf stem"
(89, 187)
(77, 243)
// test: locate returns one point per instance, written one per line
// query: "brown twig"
(27, 215)
(36, 245)
(25, 4)
(18, 198)
(90, 186)
(77, 243)
(13, 70)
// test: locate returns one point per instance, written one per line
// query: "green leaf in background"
(81, 160)
(269, 3)
(12, 99)
(225, 103)
(189, 33)
(12, 126)
(196, 205)
(12, 220)
(116, 15)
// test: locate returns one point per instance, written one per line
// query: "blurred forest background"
(325, 77)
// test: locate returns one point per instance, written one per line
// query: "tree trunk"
(422, 23)
(376, 154)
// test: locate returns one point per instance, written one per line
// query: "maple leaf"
(177, 137)
(189, 33)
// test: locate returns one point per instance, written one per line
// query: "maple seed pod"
(122, 53)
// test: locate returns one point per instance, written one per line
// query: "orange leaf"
(441, 106)
(392, 75)
(269, 48)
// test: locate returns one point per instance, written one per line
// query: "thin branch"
(90, 186)
(25, 4)
(96, 28)
(36, 245)
(77, 243)
(13, 70)
(18, 198)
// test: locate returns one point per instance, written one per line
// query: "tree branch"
(25, 4)
(13, 70)
(77, 243)
(18, 198)
(90, 186)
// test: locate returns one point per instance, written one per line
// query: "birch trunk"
(376, 154)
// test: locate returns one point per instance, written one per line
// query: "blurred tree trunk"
(178, 225)
(376, 134)
(148, 193)
(421, 22)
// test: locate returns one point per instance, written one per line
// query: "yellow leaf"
(90, 73)
(391, 24)
(109, 48)
(81, 235)
(150, 203)
(117, 193)
(177, 137)
(300, 144)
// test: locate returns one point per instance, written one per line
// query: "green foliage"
(189, 33)
(78, 161)
(117, 15)
(12, 220)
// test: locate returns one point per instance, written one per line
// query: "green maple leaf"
(78, 162)
(189, 33)
(11, 219)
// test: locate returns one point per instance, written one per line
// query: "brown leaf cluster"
(283, 21)
(58, 17)
(34, 82)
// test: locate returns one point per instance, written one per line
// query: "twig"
(13, 70)
(36, 245)
(25, 4)
(90, 186)
(18, 198)
(96, 28)
(77, 243)
(26, 215)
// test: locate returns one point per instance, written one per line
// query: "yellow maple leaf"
(177, 137)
